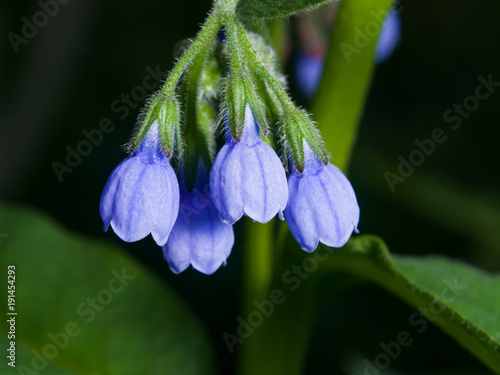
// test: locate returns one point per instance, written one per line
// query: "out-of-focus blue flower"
(321, 206)
(247, 177)
(308, 70)
(389, 36)
(142, 194)
(199, 237)
(309, 67)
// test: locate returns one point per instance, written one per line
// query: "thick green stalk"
(281, 341)
(257, 279)
(348, 70)
(258, 261)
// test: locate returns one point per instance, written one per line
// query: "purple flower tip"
(198, 238)
(308, 71)
(321, 206)
(247, 177)
(142, 194)
(389, 36)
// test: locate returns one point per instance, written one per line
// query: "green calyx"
(235, 102)
(166, 111)
(297, 128)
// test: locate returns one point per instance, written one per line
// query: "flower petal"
(321, 207)
(142, 194)
(198, 237)
(248, 178)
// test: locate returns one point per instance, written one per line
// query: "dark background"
(65, 79)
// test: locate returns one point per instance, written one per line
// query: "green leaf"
(347, 74)
(270, 9)
(85, 307)
(463, 301)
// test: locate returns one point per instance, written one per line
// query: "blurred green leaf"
(85, 307)
(270, 9)
(346, 78)
(463, 301)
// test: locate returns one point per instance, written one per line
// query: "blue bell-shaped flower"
(199, 237)
(322, 205)
(142, 194)
(247, 177)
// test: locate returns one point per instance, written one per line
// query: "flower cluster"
(177, 186)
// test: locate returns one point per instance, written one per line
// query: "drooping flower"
(247, 177)
(142, 194)
(199, 237)
(322, 206)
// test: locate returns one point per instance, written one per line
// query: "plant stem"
(339, 102)
(281, 340)
(261, 68)
(257, 279)
(258, 260)
(203, 39)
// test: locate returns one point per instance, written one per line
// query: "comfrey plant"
(273, 161)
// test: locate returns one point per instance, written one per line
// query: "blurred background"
(87, 65)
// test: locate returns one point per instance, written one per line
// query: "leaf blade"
(273, 9)
(125, 321)
(473, 322)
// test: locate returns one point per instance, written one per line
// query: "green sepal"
(235, 100)
(167, 112)
(168, 121)
(298, 128)
(257, 105)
